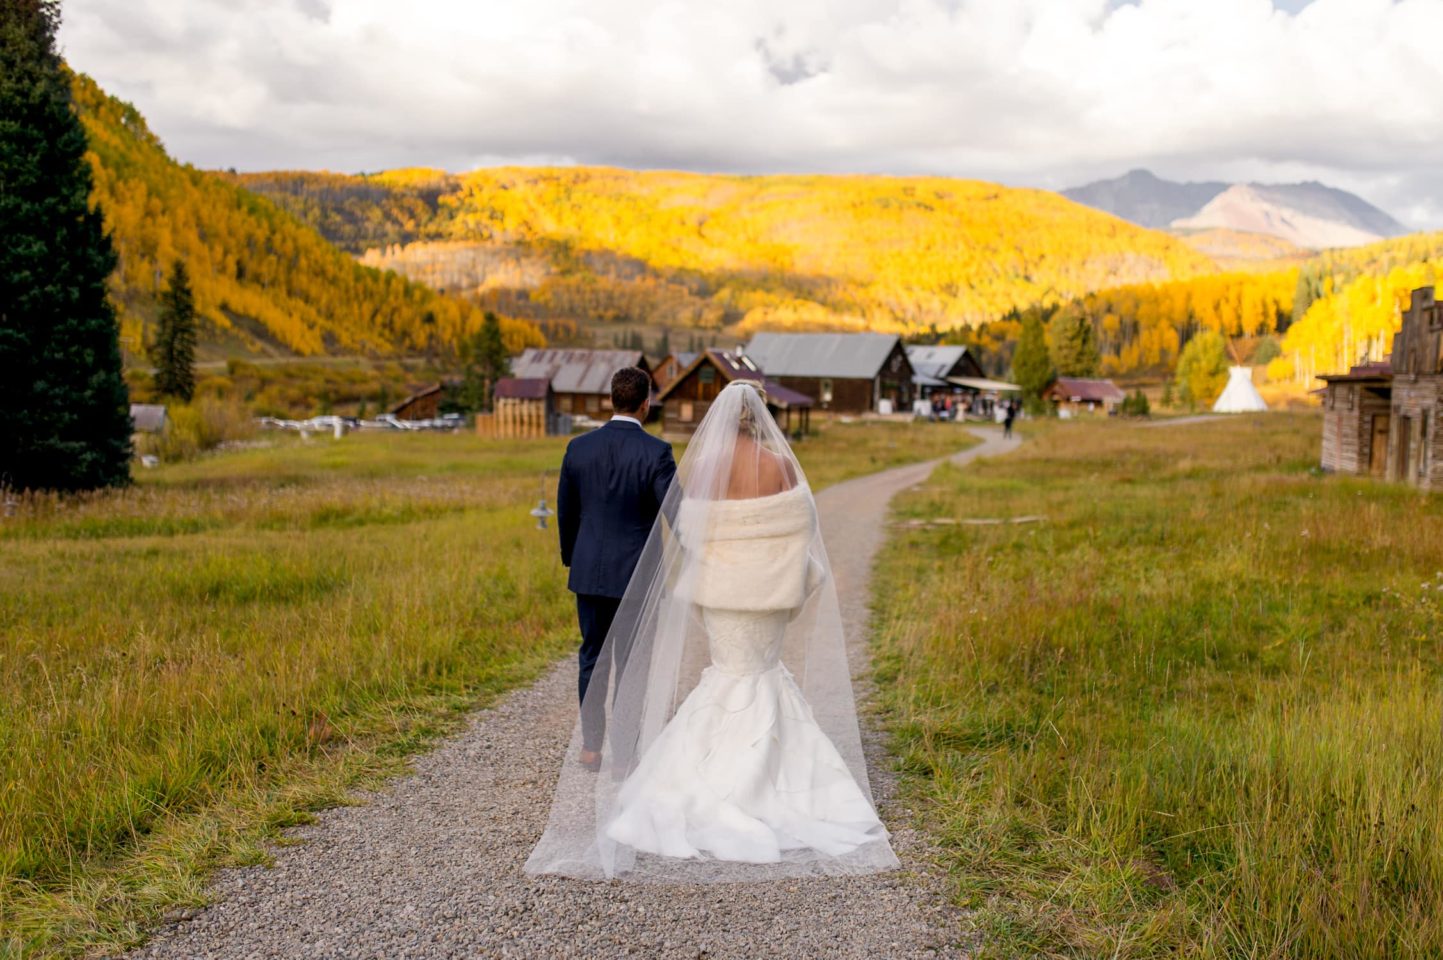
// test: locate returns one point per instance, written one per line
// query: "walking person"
(1009, 414)
(612, 484)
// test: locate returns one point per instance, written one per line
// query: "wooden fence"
(513, 420)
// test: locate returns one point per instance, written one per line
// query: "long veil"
(658, 646)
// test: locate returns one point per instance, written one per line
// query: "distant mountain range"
(1310, 215)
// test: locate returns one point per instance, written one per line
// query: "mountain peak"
(1309, 214)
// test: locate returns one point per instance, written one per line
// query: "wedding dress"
(732, 749)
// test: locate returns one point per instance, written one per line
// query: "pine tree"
(1031, 366)
(64, 410)
(486, 361)
(174, 350)
(1074, 346)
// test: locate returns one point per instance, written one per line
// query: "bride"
(732, 750)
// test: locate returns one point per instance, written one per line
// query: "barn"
(685, 400)
(842, 372)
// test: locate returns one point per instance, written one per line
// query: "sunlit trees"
(259, 276)
(1072, 345)
(1202, 370)
(64, 409)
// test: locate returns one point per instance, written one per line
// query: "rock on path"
(431, 866)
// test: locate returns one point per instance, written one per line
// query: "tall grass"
(189, 664)
(1196, 712)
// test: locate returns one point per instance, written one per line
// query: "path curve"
(430, 867)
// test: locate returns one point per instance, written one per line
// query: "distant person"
(1009, 414)
(613, 482)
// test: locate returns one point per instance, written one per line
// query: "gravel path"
(431, 866)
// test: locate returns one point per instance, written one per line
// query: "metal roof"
(844, 356)
(575, 371)
(523, 388)
(739, 366)
(148, 417)
(935, 362)
(1082, 389)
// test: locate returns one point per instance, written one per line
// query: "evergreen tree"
(486, 361)
(64, 410)
(1074, 348)
(1031, 366)
(173, 352)
(663, 346)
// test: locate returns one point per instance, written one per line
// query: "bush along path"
(431, 866)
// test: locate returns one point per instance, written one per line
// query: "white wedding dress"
(731, 748)
(742, 771)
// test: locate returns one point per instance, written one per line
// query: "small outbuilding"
(522, 408)
(1357, 410)
(671, 367)
(422, 405)
(1082, 396)
(148, 418)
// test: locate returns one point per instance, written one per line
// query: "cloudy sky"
(1047, 93)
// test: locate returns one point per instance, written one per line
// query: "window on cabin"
(563, 403)
(687, 413)
(593, 404)
(826, 390)
(708, 374)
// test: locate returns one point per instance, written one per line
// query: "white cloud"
(1044, 92)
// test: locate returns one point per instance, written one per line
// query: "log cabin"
(1081, 396)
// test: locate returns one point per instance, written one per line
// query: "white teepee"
(1240, 396)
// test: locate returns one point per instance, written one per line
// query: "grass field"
(189, 665)
(1195, 712)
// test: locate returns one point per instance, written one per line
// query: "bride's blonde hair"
(746, 423)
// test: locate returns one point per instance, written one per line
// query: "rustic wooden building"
(1381, 419)
(1357, 410)
(671, 367)
(842, 372)
(1417, 400)
(1081, 396)
(422, 405)
(522, 408)
(580, 379)
(686, 399)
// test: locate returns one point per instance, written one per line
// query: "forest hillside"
(735, 253)
(265, 282)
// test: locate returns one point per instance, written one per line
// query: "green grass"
(191, 664)
(1194, 713)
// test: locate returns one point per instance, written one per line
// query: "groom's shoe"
(591, 760)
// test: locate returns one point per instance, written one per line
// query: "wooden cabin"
(842, 372)
(580, 379)
(1357, 409)
(523, 408)
(1413, 434)
(1381, 419)
(423, 405)
(953, 373)
(685, 400)
(1081, 396)
(670, 368)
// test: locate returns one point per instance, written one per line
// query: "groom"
(612, 484)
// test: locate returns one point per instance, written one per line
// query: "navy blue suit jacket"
(613, 481)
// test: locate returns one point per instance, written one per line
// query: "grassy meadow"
(1196, 712)
(193, 663)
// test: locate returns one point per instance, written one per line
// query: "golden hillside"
(731, 252)
(265, 283)
(1351, 303)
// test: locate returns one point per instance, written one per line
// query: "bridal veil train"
(731, 751)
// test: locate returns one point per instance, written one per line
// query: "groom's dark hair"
(630, 388)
